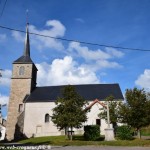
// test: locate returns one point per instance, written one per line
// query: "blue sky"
(122, 23)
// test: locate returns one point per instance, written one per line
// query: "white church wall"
(34, 121)
(93, 115)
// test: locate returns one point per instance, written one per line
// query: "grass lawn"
(78, 141)
(145, 131)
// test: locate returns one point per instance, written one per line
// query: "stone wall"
(20, 87)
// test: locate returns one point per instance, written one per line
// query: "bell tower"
(23, 82)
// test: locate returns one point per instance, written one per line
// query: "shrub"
(91, 132)
(124, 133)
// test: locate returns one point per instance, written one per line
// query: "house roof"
(87, 91)
(94, 102)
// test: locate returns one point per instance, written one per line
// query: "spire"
(27, 43)
(26, 54)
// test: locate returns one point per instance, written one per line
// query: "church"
(30, 107)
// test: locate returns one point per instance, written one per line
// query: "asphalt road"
(48, 147)
(99, 148)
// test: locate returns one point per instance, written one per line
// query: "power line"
(83, 42)
(3, 8)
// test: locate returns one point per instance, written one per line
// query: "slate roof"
(89, 92)
(26, 55)
(24, 60)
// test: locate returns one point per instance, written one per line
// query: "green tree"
(69, 112)
(135, 112)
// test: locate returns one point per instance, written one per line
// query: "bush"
(124, 133)
(91, 132)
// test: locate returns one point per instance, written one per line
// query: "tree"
(113, 111)
(69, 112)
(135, 112)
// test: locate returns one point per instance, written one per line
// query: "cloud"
(107, 64)
(100, 59)
(64, 71)
(144, 80)
(3, 99)
(86, 53)
(2, 37)
(5, 79)
(18, 36)
(114, 53)
(79, 20)
(54, 28)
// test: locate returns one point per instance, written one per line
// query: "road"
(48, 147)
(98, 148)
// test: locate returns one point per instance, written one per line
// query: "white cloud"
(3, 99)
(79, 20)
(100, 58)
(5, 79)
(18, 36)
(64, 71)
(113, 52)
(54, 29)
(144, 80)
(2, 37)
(86, 53)
(107, 64)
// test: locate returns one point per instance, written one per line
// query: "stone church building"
(30, 107)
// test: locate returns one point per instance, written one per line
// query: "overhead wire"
(3, 8)
(82, 42)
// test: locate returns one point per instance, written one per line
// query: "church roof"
(23, 59)
(26, 54)
(87, 91)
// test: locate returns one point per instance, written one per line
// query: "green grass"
(79, 141)
(145, 131)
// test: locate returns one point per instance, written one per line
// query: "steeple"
(23, 83)
(25, 58)
(27, 43)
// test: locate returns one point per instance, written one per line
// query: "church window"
(98, 122)
(21, 70)
(47, 118)
(20, 108)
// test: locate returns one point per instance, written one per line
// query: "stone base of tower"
(9, 134)
(14, 134)
(14, 129)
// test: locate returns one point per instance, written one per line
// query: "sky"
(122, 23)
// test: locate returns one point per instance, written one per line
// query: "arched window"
(21, 70)
(47, 118)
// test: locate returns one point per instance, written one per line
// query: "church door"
(38, 129)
